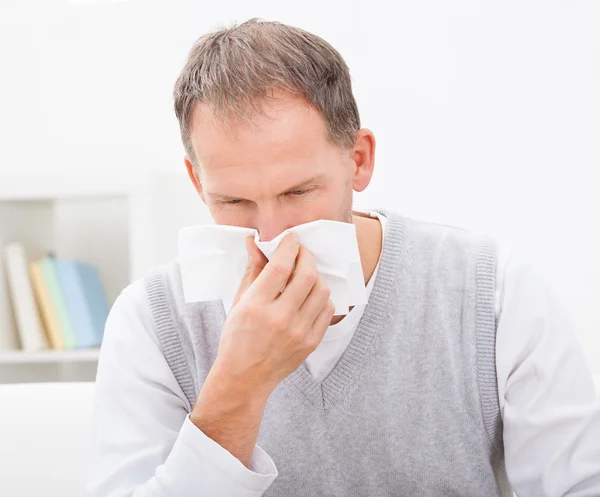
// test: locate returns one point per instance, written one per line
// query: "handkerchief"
(213, 259)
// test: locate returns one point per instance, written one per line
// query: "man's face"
(276, 173)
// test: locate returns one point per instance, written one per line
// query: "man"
(461, 376)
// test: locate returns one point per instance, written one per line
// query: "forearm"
(228, 415)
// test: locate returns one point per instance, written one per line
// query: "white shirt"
(146, 446)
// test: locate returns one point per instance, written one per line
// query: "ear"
(363, 156)
(194, 177)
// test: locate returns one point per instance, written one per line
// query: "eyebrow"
(300, 186)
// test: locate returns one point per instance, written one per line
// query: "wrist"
(228, 415)
(222, 395)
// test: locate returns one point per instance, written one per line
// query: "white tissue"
(213, 259)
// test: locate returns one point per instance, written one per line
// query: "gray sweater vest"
(410, 409)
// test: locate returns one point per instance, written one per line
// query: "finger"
(321, 323)
(301, 282)
(278, 270)
(315, 301)
(256, 263)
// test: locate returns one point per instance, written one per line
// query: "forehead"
(289, 128)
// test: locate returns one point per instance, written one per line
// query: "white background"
(486, 113)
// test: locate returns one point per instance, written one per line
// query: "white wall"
(486, 113)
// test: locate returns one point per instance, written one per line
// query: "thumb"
(256, 263)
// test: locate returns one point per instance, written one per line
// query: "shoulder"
(430, 230)
(138, 291)
(131, 313)
(440, 242)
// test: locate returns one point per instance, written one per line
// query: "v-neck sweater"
(415, 389)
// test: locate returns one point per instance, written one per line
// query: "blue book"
(85, 300)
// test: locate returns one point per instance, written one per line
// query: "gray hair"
(233, 71)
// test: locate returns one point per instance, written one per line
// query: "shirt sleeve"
(549, 407)
(144, 444)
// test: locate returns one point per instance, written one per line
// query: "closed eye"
(298, 192)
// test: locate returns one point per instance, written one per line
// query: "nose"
(270, 222)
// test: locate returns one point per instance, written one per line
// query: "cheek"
(326, 205)
(231, 215)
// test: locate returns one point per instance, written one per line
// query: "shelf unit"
(49, 356)
(124, 224)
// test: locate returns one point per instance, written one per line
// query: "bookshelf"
(123, 224)
(49, 357)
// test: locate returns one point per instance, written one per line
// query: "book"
(45, 306)
(85, 299)
(96, 298)
(9, 339)
(29, 325)
(58, 302)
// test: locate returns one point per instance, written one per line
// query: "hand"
(268, 332)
